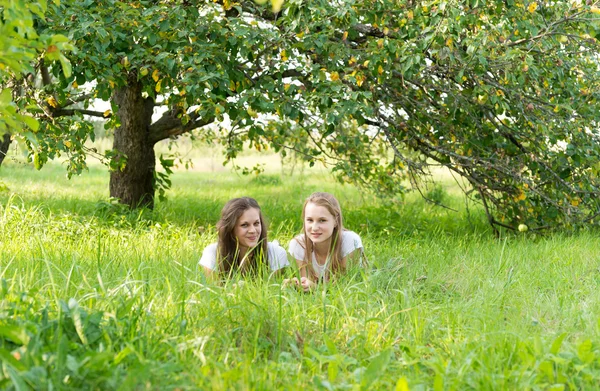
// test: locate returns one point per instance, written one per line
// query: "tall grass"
(95, 297)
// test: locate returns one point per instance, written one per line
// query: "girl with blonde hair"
(325, 246)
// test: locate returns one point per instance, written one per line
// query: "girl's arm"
(354, 258)
(302, 265)
(353, 248)
(297, 251)
(294, 281)
(306, 283)
(278, 260)
(209, 273)
(209, 261)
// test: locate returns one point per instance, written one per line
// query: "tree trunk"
(134, 185)
(4, 144)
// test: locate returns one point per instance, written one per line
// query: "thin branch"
(77, 99)
(547, 32)
(68, 112)
(46, 79)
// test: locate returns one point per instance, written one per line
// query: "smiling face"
(248, 228)
(319, 223)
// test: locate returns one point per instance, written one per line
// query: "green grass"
(95, 297)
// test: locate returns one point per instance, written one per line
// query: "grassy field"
(95, 297)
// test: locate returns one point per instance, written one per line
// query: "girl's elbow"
(208, 273)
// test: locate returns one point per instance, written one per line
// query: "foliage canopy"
(501, 93)
(20, 47)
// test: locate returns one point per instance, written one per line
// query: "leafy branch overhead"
(20, 48)
(503, 94)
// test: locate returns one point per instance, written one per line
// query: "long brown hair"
(228, 247)
(334, 257)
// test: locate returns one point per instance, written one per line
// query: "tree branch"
(77, 99)
(68, 112)
(548, 31)
(46, 79)
(368, 30)
(171, 125)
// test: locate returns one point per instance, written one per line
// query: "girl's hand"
(290, 282)
(307, 285)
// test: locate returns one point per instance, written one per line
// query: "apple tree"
(199, 61)
(502, 93)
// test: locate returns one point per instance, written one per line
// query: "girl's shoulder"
(350, 241)
(277, 256)
(209, 256)
(350, 235)
(296, 247)
(297, 240)
(211, 248)
(274, 246)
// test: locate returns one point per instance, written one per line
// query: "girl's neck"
(242, 252)
(322, 249)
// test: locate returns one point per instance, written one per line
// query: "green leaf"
(38, 8)
(5, 97)
(31, 122)
(66, 65)
(330, 345)
(376, 368)
(17, 379)
(122, 354)
(58, 38)
(554, 349)
(546, 367)
(14, 334)
(31, 138)
(37, 161)
(584, 351)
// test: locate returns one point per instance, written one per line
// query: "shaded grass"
(95, 297)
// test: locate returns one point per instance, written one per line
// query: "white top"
(275, 255)
(350, 242)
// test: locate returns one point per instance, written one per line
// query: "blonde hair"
(334, 258)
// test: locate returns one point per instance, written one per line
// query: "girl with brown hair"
(325, 246)
(242, 242)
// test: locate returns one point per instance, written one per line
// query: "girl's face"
(318, 223)
(247, 228)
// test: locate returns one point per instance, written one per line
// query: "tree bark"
(134, 185)
(4, 144)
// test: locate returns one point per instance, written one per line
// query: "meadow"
(93, 296)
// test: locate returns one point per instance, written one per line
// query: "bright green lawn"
(93, 297)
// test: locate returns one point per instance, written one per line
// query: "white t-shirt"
(350, 242)
(275, 255)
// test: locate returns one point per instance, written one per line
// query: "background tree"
(501, 93)
(20, 49)
(198, 60)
